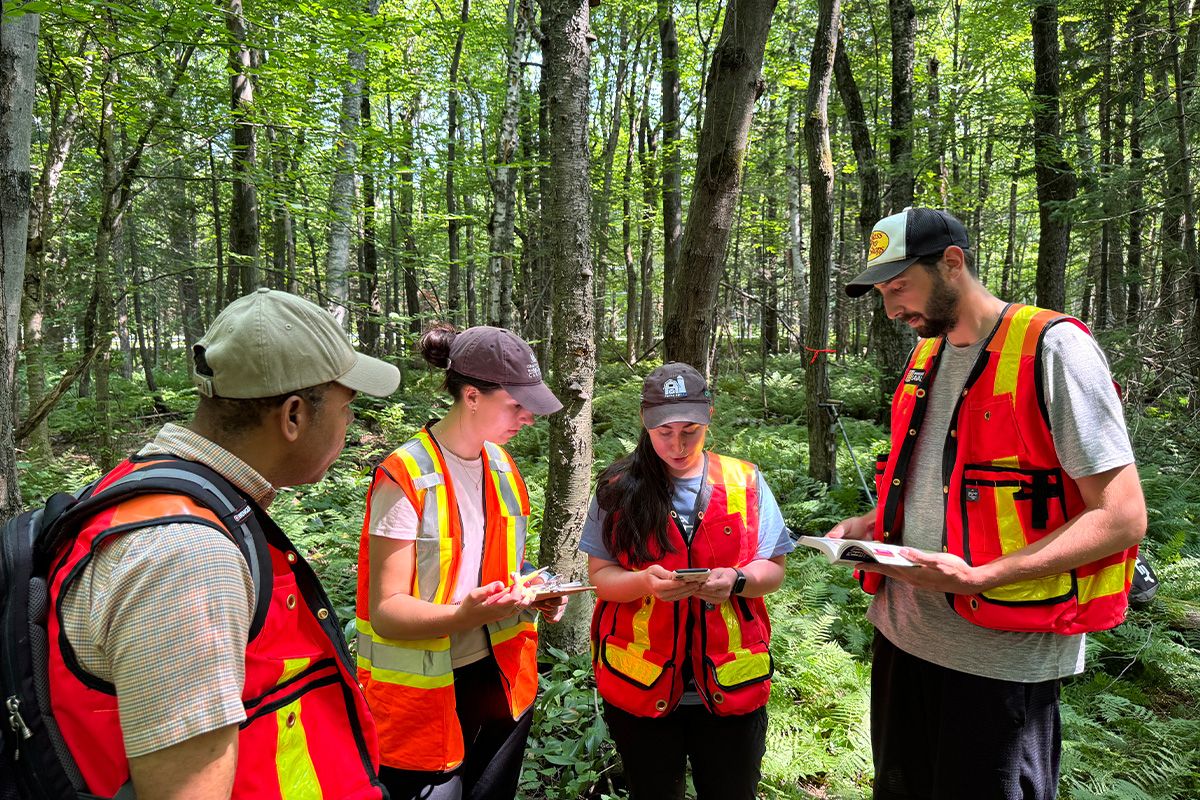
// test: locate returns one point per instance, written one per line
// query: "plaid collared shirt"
(163, 613)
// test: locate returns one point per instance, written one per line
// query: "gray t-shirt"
(1089, 438)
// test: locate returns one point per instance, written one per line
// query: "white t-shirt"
(393, 517)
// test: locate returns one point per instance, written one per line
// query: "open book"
(854, 551)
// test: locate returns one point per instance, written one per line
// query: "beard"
(941, 310)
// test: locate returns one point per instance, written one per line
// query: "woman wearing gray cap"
(682, 545)
(446, 638)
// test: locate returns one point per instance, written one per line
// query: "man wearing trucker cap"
(1011, 483)
(201, 657)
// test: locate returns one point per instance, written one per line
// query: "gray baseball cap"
(497, 355)
(270, 343)
(675, 392)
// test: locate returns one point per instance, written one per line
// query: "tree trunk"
(600, 208)
(283, 250)
(903, 18)
(1010, 251)
(454, 290)
(243, 214)
(821, 463)
(734, 85)
(631, 268)
(672, 168)
(1137, 169)
(936, 152)
(18, 69)
(139, 326)
(504, 185)
(226, 289)
(33, 309)
(647, 147)
(343, 188)
(1055, 179)
(1191, 260)
(795, 230)
(573, 363)
(412, 297)
(368, 281)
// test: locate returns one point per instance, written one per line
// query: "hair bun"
(435, 344)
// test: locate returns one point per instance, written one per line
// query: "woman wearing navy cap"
(446, 638)
(682, 545)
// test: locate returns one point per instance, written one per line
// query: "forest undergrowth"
(1131, 722)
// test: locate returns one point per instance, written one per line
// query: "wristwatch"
(739, 583)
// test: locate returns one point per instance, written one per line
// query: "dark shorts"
(940, 734)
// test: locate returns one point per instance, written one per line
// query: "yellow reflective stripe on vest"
(1110, 580)
(420, 663)
(1008, 521)
(433, 554)
(631, 666)
(1033, 590)
(500, 632)
(504, 483)
(745, 666)
(736, 475)
(293, 761)
(1009, 366)
(920, 360)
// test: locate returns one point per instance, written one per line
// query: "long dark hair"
(635, 493)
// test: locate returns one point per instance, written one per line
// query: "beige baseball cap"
(270, 343)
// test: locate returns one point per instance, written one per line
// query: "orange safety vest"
(1003, 485)
(307, 732)
(409, 684)
(639, 647)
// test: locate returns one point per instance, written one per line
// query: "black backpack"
(35, 763)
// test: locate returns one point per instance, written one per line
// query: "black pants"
(494, 743)
(940, 734)
(726, 752)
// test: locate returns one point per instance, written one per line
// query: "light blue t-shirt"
(774, 539)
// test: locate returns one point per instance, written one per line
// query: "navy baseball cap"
(898, 241)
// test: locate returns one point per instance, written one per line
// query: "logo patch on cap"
(879, 243)
(673, 388)
(533, 370)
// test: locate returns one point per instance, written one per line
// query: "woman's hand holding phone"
(665, 585)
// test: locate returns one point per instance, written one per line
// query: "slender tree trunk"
(795, 231)
(1137, 169)
(243, 218)
(145, 356)
(18, 69)
(672, 164)
(504, 185)
(941, 178)
(600, 209)
(1010, 251)
(368, 281)
(1055, 179)
(647, 145)
(226, 289)
(903, 18)
(734, 85)
(631, 268)
(565, 60)
(283, 250)
(412, 299)
(821, 462)
(453, 226)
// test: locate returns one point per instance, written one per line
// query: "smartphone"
(692, 574)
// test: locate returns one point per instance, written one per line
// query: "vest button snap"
(291, 557)
(661, 705)
(291, 719)
(912, 431)
(974, 604)
(945, 490)
(964, 392)
(291, 601)
(718, 697)
(987, 415)
(920, 392)
(728, 530)
(323, 613)
(895, 481)
(954, 434)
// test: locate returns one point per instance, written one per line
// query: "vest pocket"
(1005, 509)
(634, 663)
(988, 430)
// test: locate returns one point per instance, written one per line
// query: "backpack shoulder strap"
(168, 474)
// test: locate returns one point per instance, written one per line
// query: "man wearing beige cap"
(193, 652)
